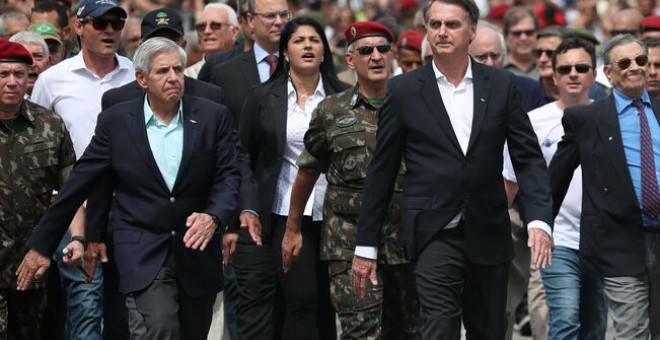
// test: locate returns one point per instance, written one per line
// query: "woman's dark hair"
(327, 67)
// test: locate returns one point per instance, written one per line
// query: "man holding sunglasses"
(73, 88)
(575, 300)
(616, 141)
(217, 29)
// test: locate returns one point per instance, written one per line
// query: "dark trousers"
(168, 312)
(450, 287)
(306, 288)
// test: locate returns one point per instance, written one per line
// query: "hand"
(229, 240)
(362, 269)
(33, 267)
(95, 250)
(251, 221)
(291, 246)
(74, 254)
(201, 228)
(542, 246)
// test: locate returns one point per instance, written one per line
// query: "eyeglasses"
(270, 16)
(624, 63)
(528, 33)
(101, 24)
(618, 32)
(538, 52)
(201, 27)
(566, 69)
(368, 50)
(483, 57)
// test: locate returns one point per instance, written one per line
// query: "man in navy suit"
(172, 162)
(449, 121)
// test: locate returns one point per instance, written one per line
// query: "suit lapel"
(481, 87)
(431, 96)
(249, 69)
(279, 107)
(138, 133)
(609, 132)
(192, 121)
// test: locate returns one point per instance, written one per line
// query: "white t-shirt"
(74, 92)
(546, 121)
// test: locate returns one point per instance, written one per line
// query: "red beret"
(651, 23)
(14, 53)
(406, 5)
(411, 39)
(359, 30)
(498, 11)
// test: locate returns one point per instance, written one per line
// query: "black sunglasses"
(528, 33)
(614, 33)
(566, 69)
(101, 24)
(368, 50)
(624, 63)
(200, 27)
(539, 51)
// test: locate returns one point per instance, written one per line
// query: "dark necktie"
(271, 59)
(650, 195)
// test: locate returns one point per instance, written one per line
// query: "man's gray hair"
(154, 46)
(13, 14)
(232, 19)
(30, 37)
(621, 39)
(497, 30)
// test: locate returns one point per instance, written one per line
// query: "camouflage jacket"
(36, 155)
(340, 143)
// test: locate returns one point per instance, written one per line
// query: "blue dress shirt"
(166, 142)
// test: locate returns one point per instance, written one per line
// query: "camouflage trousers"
(21, 313)
(388, 311)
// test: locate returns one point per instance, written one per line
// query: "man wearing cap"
(651, 27)
(409, 51)
(36, 155)
(53, 40)
(339, 143)
(35, 44)
(448, 122)
(56, 14)
(73, 89)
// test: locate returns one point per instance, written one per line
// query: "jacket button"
(173, 233)
(606, 190)
(172, 199)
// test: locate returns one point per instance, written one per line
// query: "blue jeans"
(576, 301)
(84, 300)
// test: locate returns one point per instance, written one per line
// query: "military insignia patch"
(345, 121)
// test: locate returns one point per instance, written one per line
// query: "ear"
(349, 60)
(250, 19)
(78, 27)
(66, 33)
(141, 79)
(234, 33)
(607, 70)
(554, 78)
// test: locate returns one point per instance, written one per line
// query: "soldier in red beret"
(650, 27)
(36, 155)
(409, 51)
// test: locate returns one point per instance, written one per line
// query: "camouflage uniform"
(36, 155)
(340, 142)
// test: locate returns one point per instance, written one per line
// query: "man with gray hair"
(217, 29)
(173, 189)
(13, 22)
(616, 141)
(36, 45)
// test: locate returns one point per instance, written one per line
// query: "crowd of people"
(272, 169)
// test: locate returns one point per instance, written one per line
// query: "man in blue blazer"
(171, 159)
(449, 121)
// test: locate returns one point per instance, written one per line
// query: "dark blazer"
(440, 181)
(263, 134)
(206, 72)
(236, 77)
(611, 235)
(149, 219)
(97, 213)
(133, 90)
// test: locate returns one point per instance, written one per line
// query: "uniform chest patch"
(345, 121)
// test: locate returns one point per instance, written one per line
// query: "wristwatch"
(80, 239)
